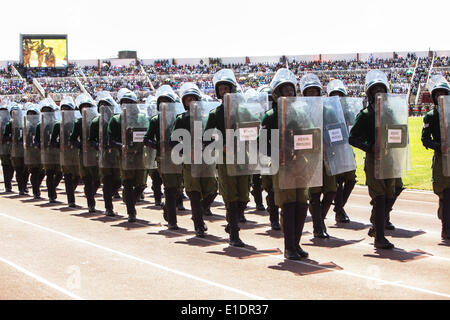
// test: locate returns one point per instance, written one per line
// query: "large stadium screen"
(44, 51)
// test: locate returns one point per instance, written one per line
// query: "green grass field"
(419, 177)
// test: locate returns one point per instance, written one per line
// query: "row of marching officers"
(310, 164)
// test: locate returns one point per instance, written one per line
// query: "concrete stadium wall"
(444, 53)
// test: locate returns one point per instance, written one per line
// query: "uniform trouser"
(54, 176)
(345, 184)
(205, 186)
(134, 182)
(37, 175)
(156, 184)
(272, 208)
(173, 186)
(293, 223)
(111, 183)
(21, 172)
(234, 189)
(382, 193)
(319, 208)
(91, 180)
(257, 189)
(71, 181)
(440, 184)
(8, 171)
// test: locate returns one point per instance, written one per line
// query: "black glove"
(436, 146)
(115, 144)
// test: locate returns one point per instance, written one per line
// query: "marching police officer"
(5, 148)
(362, 136)
(345, 181)
(431, 138)
(201, 190)
(234, 189)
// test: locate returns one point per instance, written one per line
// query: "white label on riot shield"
(394, 136)
(302, 142)
(248, 134)
(335, 135)
(138, 136)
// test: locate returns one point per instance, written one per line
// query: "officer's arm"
(54, 140)
(211, 123)
(427, 139)
(93, 133)
(149, 137)
(265, 124)
(7, 134)
(37, 137)
(358, 136)
(178, 124)
(75, 134)
(114, 133)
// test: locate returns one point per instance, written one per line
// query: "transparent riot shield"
(167, 116)
(89, 151)
(243, 116)
(5, 148)
(49, 152)
(199, 112)
(134, 126)
(444, 121)
(391, 136)
(339, 157)
(32, 156)
(351, 107)
(150, 153)
(300, 121)
(107, 157)
(17, 150)
(69, 155)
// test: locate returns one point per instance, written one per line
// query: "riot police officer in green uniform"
(293, 202)
(49, 154)
(13, 136)
(69, 155)
(345, 181)
(172, 181)
(201, 190)
(310, 86)
(5, 149)
(89, 174)
(362, 136)
(134, 180)
(431, 139)
(266, 180)
(32, 155)
(234, 189)
(109, 158)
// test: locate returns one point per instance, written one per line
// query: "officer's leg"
(51, 185)
(180, 205)
(273, 210)
(170, 207)
(289, 231)
(156, 187)
(233, 225)
(36, 182)
(108, 194)
(197, 215)
(257, 192)
(301, 209)
(89, 192)
(446, 215)
(20, 178)
(70, 191)
(8, 173)
(128, 197)
(209, 193)
(315, 209)
(343, 192)
(380, 219)
(327, 200)
(398, 190)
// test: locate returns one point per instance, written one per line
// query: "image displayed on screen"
(44, 52)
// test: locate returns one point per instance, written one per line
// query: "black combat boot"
(128, 197)
(301, 211)
(315, 209)
(179, 200)
(35, 183)
(389, 204)
(207, 202)
(8, 173)
(257, 192)
(446, 216)
(197, 215)
(51, 188)
(242, 207)
(156, 187)
(108, 194)
(380, 219)
(70, 190)
(272, 208)
(327, 201)
(289, 232)
(234, 212)
(339, 203)
(170, 208)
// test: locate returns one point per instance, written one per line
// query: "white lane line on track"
(156, 265)
(40, 279)
(281, 258)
